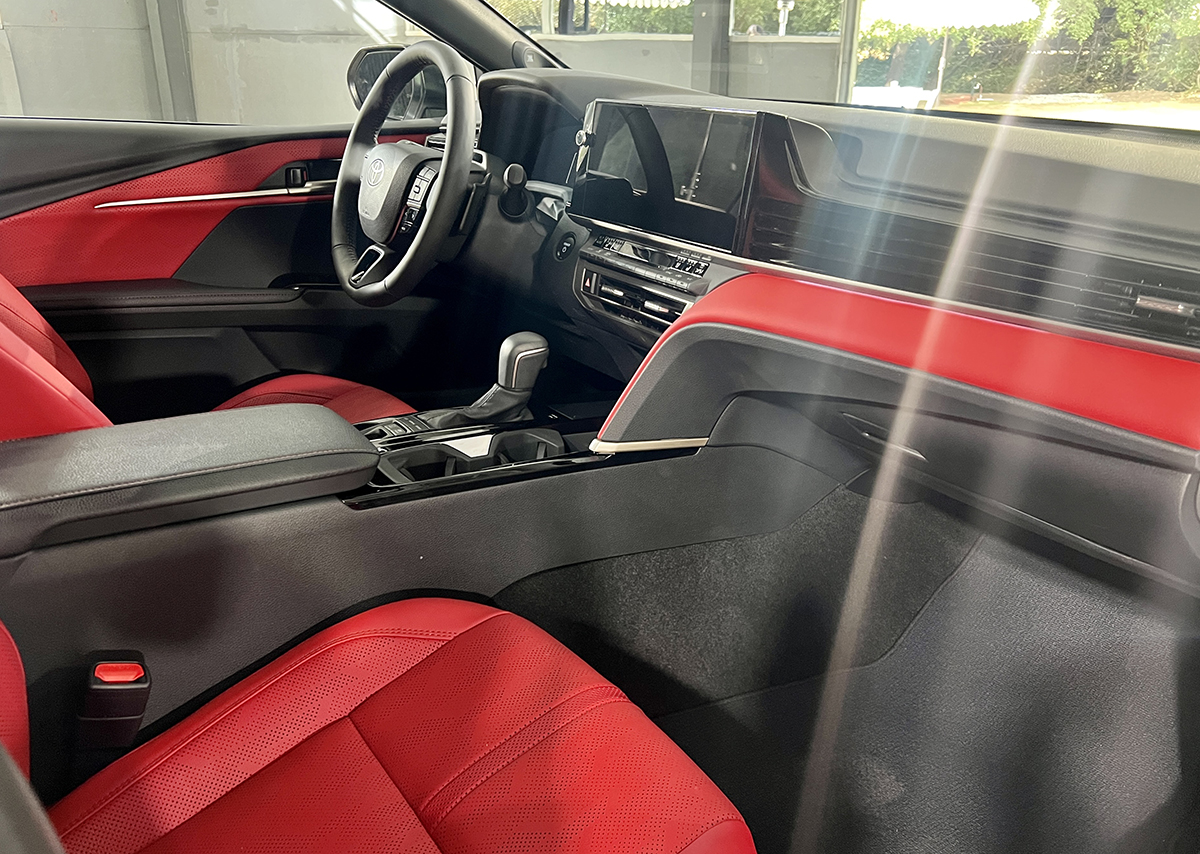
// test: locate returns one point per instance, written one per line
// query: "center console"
(662, 189)
(497, 438)
(432, 462)
(656, 208)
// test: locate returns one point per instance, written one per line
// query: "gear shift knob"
(522, 357)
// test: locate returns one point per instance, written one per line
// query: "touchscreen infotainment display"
(675, 171)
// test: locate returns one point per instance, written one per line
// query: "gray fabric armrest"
(91, 483)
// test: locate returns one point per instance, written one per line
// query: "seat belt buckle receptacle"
(113, 704)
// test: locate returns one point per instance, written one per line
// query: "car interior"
(587, 463)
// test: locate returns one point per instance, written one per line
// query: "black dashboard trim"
(746, 265)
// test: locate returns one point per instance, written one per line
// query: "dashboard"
(668, 193)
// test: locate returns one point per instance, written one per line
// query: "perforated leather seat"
(48, 391)
(429, 725)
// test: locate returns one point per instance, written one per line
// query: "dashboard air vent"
(1003, 272)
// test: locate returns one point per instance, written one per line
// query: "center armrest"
(91, 483)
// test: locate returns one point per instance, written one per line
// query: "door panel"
(121, 232)
(184, 283)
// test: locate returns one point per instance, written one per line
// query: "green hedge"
(1091, 46)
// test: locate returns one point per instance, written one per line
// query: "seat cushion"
(429, 725)
(353, 401)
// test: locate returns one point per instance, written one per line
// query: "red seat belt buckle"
(113, 704)
(118, 672)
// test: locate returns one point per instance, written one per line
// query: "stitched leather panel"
(353, 401)
(171, 779)
(328, 795)
(24, 321)
(38, 399)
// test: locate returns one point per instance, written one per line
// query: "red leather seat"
(46, 390)
(429, 725)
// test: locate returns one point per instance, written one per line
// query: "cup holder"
(445, 459)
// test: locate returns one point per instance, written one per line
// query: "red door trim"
(72, 241)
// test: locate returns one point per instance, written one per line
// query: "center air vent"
(647, 306)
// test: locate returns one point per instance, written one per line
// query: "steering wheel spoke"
(373, 265)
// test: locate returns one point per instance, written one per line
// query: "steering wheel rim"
(400, 271)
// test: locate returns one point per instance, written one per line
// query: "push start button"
(564, 247)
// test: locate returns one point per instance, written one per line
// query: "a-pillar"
(710, 45)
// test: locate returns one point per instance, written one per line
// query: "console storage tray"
(437, 459)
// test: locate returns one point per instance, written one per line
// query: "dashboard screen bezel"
(699, 234)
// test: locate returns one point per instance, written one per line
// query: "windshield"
(1131, 62)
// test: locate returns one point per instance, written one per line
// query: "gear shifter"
(522, 357)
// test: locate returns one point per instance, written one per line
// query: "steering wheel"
(406, 196)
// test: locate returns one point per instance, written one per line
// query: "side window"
(257, 62)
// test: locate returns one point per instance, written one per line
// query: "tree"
(809, 16)
(1093, 46)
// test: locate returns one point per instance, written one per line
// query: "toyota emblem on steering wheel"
(375, 172)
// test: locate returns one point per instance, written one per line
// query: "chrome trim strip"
(312, 188)
(1163, 306)
(473, 446)
(599, 446)
(1103, 336)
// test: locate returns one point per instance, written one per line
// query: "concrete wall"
(787, 68)
(250, 61)
(272, 62)
(79, 58)
(664, 58)
(10, 92)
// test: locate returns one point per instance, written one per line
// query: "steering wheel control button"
(564, 247)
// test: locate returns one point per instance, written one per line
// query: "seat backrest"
(14, 707)
(24, 826)
(24, 321)
(43, 387)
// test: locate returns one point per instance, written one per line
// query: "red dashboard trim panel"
(71, 241)
(1148, 393)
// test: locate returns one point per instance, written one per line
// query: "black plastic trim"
(1116, 495)
(146, 293)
